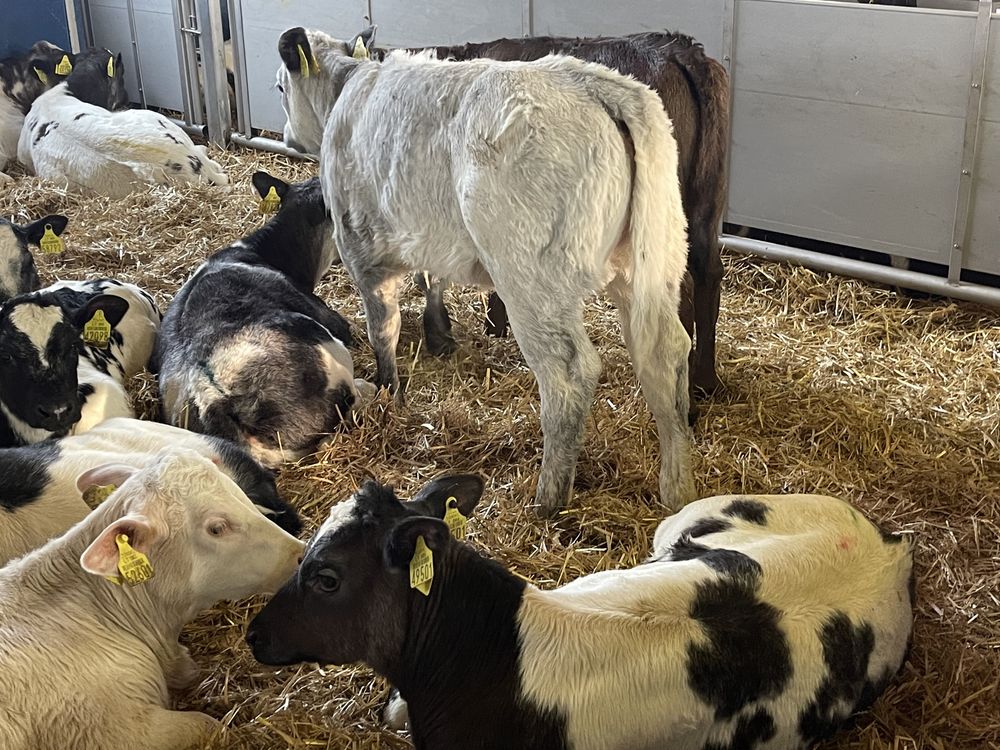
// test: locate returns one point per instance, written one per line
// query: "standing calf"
(87, 664)
(18, 274)
(51, 383)
(759, 622)
(38, 488)
(547, 180)
(247, 351)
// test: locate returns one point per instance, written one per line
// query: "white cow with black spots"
(758, 623)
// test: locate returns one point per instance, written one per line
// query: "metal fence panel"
(983, 253)
(403, 23)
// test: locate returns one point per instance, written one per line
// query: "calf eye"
(326, 580)
(217, 528)
(280, 87)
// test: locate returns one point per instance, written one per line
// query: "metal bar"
(267, 144)
(977, 293)
(970, 145)
(187, 101)
(213, 71)
(130, 7)
(88, 24)
(74, 25)
(196, 130)
(527, 22)
(240, 80)
(729, 60)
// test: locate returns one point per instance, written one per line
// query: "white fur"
(86, 664)
(512, 175)
(109, 153)
(11, 122)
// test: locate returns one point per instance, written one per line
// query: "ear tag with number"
(111, 67)
(422, 567)
(41, 76)
(97, 494)
(303, 62)
(64, 67)
(97, 330)
(360, 50)
(133, 566)
(51, 243)
(454, 519)
(270, 203)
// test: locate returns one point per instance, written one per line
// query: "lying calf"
(51, 383)
(38, 487)
(247, 351)
(73, 135)
(18, 274)
(760, 621)
(85, 663)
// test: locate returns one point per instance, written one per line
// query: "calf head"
(204, 538)
(17, 266)
(25, 79)
(98, 78)
(350, 599)
(40, 345)
(310, 79)
(307, 248)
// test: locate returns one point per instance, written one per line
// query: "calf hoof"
(441, 345)
(496, 330)
(694, 411)
(396, 714)
(706, 384)
(366, 391)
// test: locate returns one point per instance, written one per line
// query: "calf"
(86, 663)
(247, 351)
(18, 274)
(761, 621)
(22, 80)
(548, 180)
(38, 482)
(73, 135)
(51, 383)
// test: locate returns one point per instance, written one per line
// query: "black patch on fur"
(706, 526)
(751, 511)
(174, 166)
(80, 116)
(195, 163)
(846, 651)
(171, 137)
(751, 731)
(746, 658)
(43, 130)
(726, 561)
(85, 389)
(24, 473)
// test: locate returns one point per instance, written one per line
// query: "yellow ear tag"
(133, 566)
(111, 67)
(269, 203)
(64, 66)
(41, 76)
(97, 330)
(455, 520)
(422, 567)
(94, 496)
(360, 50)
(51, 243)
(303, 62)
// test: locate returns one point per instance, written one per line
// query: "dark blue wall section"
(26, 21)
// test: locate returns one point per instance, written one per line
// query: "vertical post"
(970, 145)
(88, 25)
(213, 68)
(527, 22)
(729, 60)
(239, 67)
(130, 7)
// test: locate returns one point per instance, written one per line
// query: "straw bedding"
(832, 386)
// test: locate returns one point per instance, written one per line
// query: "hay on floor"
(832, 386)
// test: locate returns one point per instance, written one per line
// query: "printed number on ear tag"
(270, 203)
(454, 519)
(42, 76)
(97, 330)
(133, 566)
(422, 567)
(94, 496)
(64, 67)
(51, 243)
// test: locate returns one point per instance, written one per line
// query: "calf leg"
(706, 270)
(183, 672)
(437, 323)
(496, 317)
(552, 337)
(380, 297)
(177, 730)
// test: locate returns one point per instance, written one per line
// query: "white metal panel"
(263, 23)
(157, 48)
(404, 23)
(702, 19)
(983, 253)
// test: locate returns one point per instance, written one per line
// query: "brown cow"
(694, 89)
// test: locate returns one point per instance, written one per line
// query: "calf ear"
(101, 557)
(43, 63)
(104, 475)
(263, 182)
(432, 499)
(289, 46)
(36, 229)
(361, 45)
(114, 309)
(402, 539)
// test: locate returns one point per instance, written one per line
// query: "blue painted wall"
(27, 21)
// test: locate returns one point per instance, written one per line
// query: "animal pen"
(852, 125)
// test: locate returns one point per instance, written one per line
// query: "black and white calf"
(18, 274)
(40, 493)
(758, 622)
(247, 351)
(51, 383)
(22, 80)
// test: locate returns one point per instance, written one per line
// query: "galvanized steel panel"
(155, 35)
(404, 23)
(983, 253)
